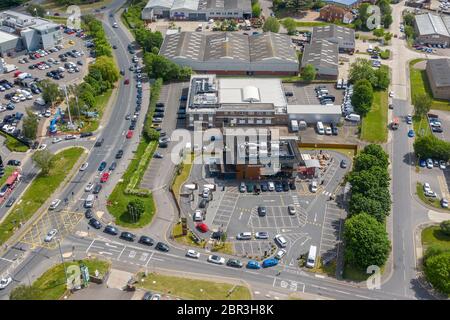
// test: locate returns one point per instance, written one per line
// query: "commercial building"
(324, 56)
(432, 29)
(232, 53)
(438, 72)
(311, 114)
(343, 37)
(331, 13)
(201, 10)
(23, 32)
(348, 3)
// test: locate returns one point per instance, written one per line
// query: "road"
(407, 214)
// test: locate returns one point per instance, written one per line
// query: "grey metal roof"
(185, 5)
(428, 24)
(334, 33)
(440, 70)
(225, 4)
(321, 53)
(228, 45)
(160, 3)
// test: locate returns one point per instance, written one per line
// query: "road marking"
(240, 216)
(132, 254)
(121, 253)
(320, 276)
(90, 245)
(110, 245)
(315, 217)
(105, 252)
(149, 258)
(11, 261)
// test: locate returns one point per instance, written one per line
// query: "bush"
(437, 271)
(430, 146)
(445, 227)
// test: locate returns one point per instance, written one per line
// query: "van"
(353, 117)
(320, 128)
(339, 84)
(311, 261)
(89, 202)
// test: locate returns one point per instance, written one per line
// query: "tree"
(366, 161)
(50, 91)
(366, 241)
(409, 32)
(290, 25)
(147, 39)
(445, 227)
(43, 159)
(158, 66)
(150, 132)
(383, 78)
(107, 69)
(36, 10)
(408, 19)
(135, 209)
(422, 105)
(378, 33)
(24, 292)
(377, 151)
(271, 25)
(30, 125)
(360, 203)
(363, 181)
(309, 72)
(362, 97)
(362, 69)
(387, 36)
(363, 15)
(386, 20)
(430, 146)
(256, 10)
(437, 271)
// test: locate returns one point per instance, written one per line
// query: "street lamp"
(62, 260)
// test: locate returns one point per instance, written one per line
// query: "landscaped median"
(39, 191)
(13, 144)
(374, 124)
(52, 284)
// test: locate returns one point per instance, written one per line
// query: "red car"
(202, 227)
(129, 134)
(127, 81)
(105, 177)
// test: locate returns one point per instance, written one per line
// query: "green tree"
(147, 39)
(150, 132)
(386, 20)
(43, 159)
(445, 227)
(408, 19)
(422, 105)
(30, 125)
(135, 209)
(309, 72)
(36, 10)
(271, 25)
(378, 33)
(363, 181)
(290, 25)
(366, 241)
(377, 151)
(437, 271)
(366, 161)
(360, 203)
(430, 146)
(363, 15)
(362, 97)
(362, 69)
(383, 78)
(387, 36)
(50, 91)
(256, 10)
(24, 292)
(107, 68)
(409, 32)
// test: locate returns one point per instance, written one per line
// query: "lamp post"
(62, 260)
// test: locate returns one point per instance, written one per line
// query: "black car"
(264, 187)
(112, 166)
(88, 214)
(162, 247)
(278, 186)
(10, 202)
(285, 186)
(146, 240)
(160, 110)
(292, 185)
(343, 164)
(119, 154)
(95, 223)
(86, 134)
(234, 263)
(99, 142)
(13, 162)
(159, 115)
(160, 105)
(334, 130)
(203, 203)
(111, 230)
(262, 211)
(437, 129)
(127, 236)
(97, 188)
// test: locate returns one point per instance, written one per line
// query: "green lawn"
(14, 145)
(40, 189)
(8, 171)
(421, 127)
(56, 19)
(52, 284)
(118, 200)
(182, 177)
(177, 233)
(435, 202)
(434, 235)
(374, 125)
(420, 85)
(193, 289)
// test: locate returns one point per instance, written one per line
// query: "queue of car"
(278, 186)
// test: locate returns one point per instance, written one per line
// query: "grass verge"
(419, 85)
(182, 176)
(421, 127)
(14, 145)
(354, 274)
(8, 171)
(194, 289)
(434, 235)
(52, 284)
(40, 189)
(188, 240)
(374, 126)
(434, 202)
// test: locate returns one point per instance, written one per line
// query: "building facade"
(331, 13)
(438, 72)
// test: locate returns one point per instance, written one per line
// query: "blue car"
(252, 264)
(422, 163)
(269, 263)
(102, 166)
(411, 133)
(278, 186)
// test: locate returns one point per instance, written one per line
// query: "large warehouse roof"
(185, 5)
(225, 4)
(321, 53)
(160, 4)
(336, 33)
(428, 24)
(440, 70)
(4, 37)
(228, 45)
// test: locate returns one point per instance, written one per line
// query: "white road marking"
(11, 261)
(149, 258)
(320, 276)
(105, 252)
(110, 245)
(90, 245)
(121, 253)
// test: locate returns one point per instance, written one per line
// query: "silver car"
(50, 235)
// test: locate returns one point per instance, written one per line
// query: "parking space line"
(90, 245)
(121, 252)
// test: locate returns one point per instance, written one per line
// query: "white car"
(262, 235)
(205, 193)
(84, 166)
(426, 187)
(328, 131)
(442, 164)
(4, 282)
(89, 187)
(280, 254)
(281, 240)
(55, 203)
(216, 259)
(292, 210)
(193, 254)
(156, 297)
(42, 147)
(271, 186)
(429, 163)
(314, 186)
(50, 235)
(431, 194)
(56, 140)
(444, 203)
(391, 94)
(198, 215)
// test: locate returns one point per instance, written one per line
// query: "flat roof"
(4, 37)
(225, 4)
(160, 3)
(440, 70)
(313, 109)
(251, 90)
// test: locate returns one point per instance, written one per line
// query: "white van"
(339, 84)
(311, 262)
(89, 202)
(320, 128)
